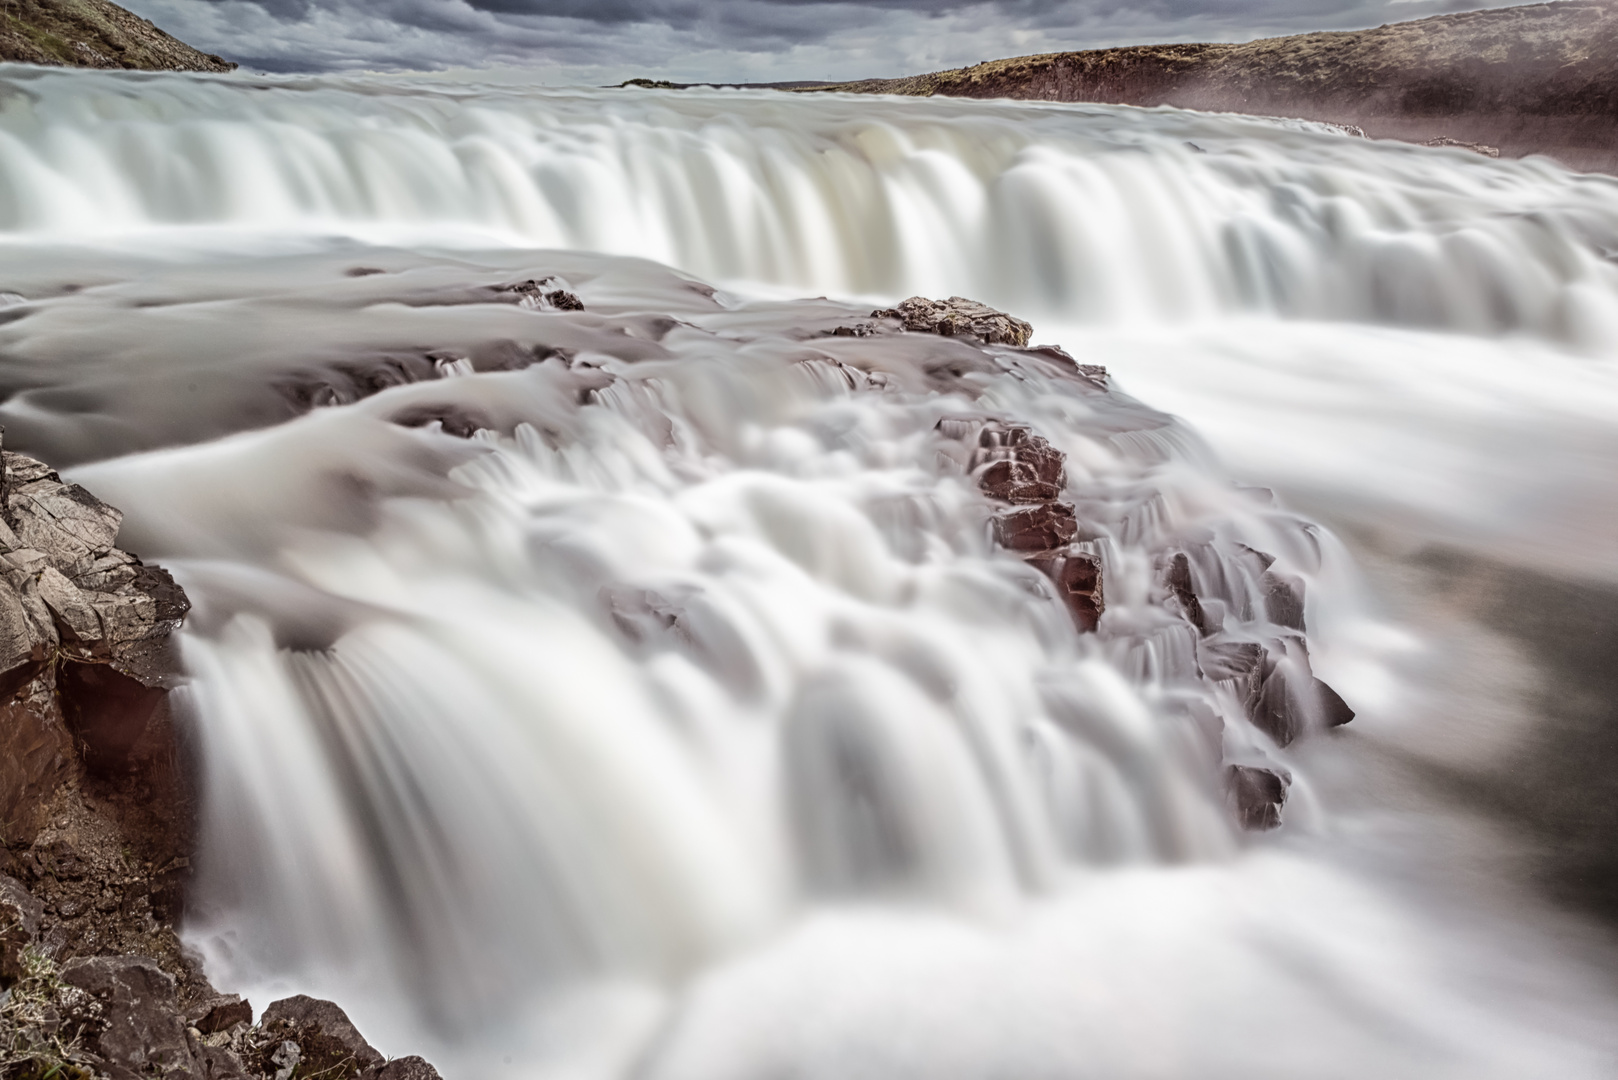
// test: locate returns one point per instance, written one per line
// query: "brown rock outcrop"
(957, 315)
(1017, 466)
(84, 660)
(1539, 78)
(94, 34)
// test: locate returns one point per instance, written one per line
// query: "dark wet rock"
(1077, 577)
(139, 1032)
(958, 316)
(1289, 699)
(1015, 482)
(1283, 599)
(543, 294)
(1334, 711)
(1257, 795)
(328, 1042)
(1043, 528)
(1223, 659)
(355, 379)
(863, 329)
(1016, 465)
(452, 419)
(1183, 593)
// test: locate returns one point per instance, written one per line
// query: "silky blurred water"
(683, 722)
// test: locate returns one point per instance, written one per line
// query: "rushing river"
(683, 723)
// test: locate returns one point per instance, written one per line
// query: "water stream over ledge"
(684, 722)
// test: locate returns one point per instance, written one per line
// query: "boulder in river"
(958, 315)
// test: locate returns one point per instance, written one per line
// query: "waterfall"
(1094, 212)
(644, 691)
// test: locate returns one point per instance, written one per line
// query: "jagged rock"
(1078, 582)
(1043, 528)
(140, 1032)
(328, 1042)
(76, 620)
(544, 294)
(1183, 591)
(22, 652)
(1015, 482)
(108, 572)
(1016, 465)
(1256, 795)
(1333, 709)
(405, 1068)
(64, 521)
(1289, 697)
(220, 1013)
(958, 315)
(1283, 599)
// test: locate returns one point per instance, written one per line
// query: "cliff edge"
(93, 34)
(1536, 79)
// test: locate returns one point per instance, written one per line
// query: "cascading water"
(686, 721)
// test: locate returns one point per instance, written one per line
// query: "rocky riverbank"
(96, 808)
(1538, 79)
(94, 34)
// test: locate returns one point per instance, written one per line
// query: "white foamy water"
(684, 722)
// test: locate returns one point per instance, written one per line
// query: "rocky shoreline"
(97, 815)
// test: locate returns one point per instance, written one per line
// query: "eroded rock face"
(81, 621)
(96, 819)
(959, 316)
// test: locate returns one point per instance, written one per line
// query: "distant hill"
(93, 34)
(1536, 79)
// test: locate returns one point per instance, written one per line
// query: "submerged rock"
(544, 294)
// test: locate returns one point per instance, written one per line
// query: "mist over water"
(683, 722)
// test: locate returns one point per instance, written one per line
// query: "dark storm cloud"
(727, 40)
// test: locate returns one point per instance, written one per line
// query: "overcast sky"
(601, 41)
